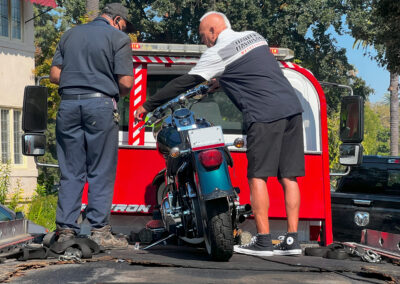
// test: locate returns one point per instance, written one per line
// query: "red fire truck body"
(139, 162)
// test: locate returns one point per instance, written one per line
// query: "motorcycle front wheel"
(219, 232)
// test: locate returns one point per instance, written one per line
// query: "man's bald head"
(211, 25)
(227, 23)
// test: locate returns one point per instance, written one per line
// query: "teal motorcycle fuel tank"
(214, 183)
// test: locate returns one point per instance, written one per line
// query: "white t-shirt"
(229, 47)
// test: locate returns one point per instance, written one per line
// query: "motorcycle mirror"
(182, 100)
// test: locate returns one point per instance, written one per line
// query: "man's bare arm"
(55, 72)
(125, 84)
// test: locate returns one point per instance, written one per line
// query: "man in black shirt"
(93, 67)
(253, 80)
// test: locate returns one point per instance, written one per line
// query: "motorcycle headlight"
(238, 143)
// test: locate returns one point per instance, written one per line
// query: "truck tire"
(219, 238)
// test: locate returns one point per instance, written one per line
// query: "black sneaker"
(260, 245)
(289, 245)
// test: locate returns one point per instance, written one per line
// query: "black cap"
(117, 9)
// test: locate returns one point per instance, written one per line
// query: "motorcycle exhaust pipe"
(242, 209)
(243, 212)
(242, 217)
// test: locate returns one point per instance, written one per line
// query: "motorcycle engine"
(170, 215)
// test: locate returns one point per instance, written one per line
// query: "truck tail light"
(135, 46)
(211, 159)
(394, 161)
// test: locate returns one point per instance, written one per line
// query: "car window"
(394, 181)
(154, 83)
(371, 179)
(123, 107)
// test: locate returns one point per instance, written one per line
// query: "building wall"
(16, 71)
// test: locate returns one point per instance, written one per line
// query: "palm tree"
(92, 8)
(393, 100)
(394, 114)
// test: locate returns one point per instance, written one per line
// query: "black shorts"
(276, 148)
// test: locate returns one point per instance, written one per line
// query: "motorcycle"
(197, 202)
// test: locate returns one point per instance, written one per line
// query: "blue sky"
(375, 77)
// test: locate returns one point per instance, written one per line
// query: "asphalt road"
(173, 264)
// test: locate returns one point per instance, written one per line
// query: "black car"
(367, 198)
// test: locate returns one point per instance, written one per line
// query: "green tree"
(72, 11)
(301, 25)
(376, 23)
(382, 109)
(375, 133)
(48, 29)
(333, 140)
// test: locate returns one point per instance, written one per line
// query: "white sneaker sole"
(238, 249)
(288, 252)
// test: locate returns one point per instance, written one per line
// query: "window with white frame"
(11, 19)
(5, 135)
(10, 136)
(17, 137)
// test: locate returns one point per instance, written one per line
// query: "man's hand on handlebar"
(140, 113)
(213, 85)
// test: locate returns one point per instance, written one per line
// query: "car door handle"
(362, 202)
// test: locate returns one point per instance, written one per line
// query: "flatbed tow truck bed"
(182, 264)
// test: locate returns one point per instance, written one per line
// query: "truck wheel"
(219, 238)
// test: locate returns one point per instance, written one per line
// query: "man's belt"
(84, 96)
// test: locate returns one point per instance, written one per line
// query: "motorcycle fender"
(159, 178)
(213, 184)
(217, 194)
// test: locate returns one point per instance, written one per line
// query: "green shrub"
(10, 197)
(5, 172)
(42, 209)
(16, 197)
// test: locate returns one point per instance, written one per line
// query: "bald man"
(253, 80)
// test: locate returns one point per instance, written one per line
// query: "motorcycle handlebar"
(159, 112)
(151, 120)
